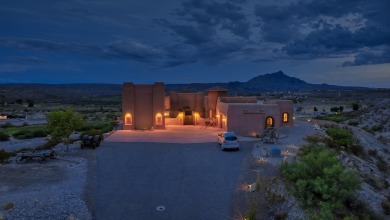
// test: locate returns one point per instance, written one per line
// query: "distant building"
(147, 107)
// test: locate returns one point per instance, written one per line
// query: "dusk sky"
(341, 42)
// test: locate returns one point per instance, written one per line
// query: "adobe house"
(147, 107)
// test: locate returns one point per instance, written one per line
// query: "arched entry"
(269, 122)
(285, 117)
(188, 116)
(128, 119)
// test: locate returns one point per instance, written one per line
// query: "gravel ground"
(51, 190)
(15, 144)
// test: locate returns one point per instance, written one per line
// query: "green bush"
(28, 134)
(4, 137)
(340, 136)
(319, 180)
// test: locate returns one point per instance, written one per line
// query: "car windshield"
(231, 138)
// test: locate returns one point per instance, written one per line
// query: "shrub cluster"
(26, 134)
(320, 181)
(101, 127)
(333, 117)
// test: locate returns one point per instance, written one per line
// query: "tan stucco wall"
(249, 119)
(180, 101)
(143, 102)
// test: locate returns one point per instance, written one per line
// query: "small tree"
(62, 123)
(355, 106)
(319, 180)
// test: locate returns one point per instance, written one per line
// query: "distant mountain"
(270, 82)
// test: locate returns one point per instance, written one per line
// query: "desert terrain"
(63, 188)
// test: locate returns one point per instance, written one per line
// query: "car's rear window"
(230, 138)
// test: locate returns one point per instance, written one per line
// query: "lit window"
(128, 119)
(269, 121)
(285, 117)
(158, 119)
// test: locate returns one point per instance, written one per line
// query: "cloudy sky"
(342, 42)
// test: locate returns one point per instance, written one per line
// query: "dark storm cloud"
(121, 49)
(210, 31)
(366, 58)
(227, 15)
(328, 28)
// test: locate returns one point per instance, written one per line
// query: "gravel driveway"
(166, 181)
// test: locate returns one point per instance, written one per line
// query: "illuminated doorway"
(269, 122)
(285, 117)
(128, 119)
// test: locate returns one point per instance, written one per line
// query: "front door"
(188, 118)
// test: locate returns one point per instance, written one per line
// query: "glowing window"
(269, 122)
(128, 119)
(285, 117)
(159, 119)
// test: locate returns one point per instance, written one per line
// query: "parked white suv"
(228, 140)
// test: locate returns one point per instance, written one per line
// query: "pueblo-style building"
(148, 107)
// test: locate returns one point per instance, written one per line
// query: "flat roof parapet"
(238, 99)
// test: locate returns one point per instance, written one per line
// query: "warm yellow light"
(223, 119)
(159, 119)
(180, 115)
(166, 113)
(218, 116)
(128, 119)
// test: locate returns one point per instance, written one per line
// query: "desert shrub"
(376, 128)
(319, 180)
(353, 123)
(372, 152)
(22, 134)
(358, 209)
(316, 138)
(28, 134)
(4, 155)
(299, 109)
(386, 206)
(8, 206)
(355, 106)
(382, 165)
(4, 137)
(375, 182)
(358, 150)
(334, 117)
(7, 125)
(39, 133)
(25, 124)
(341, 136)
